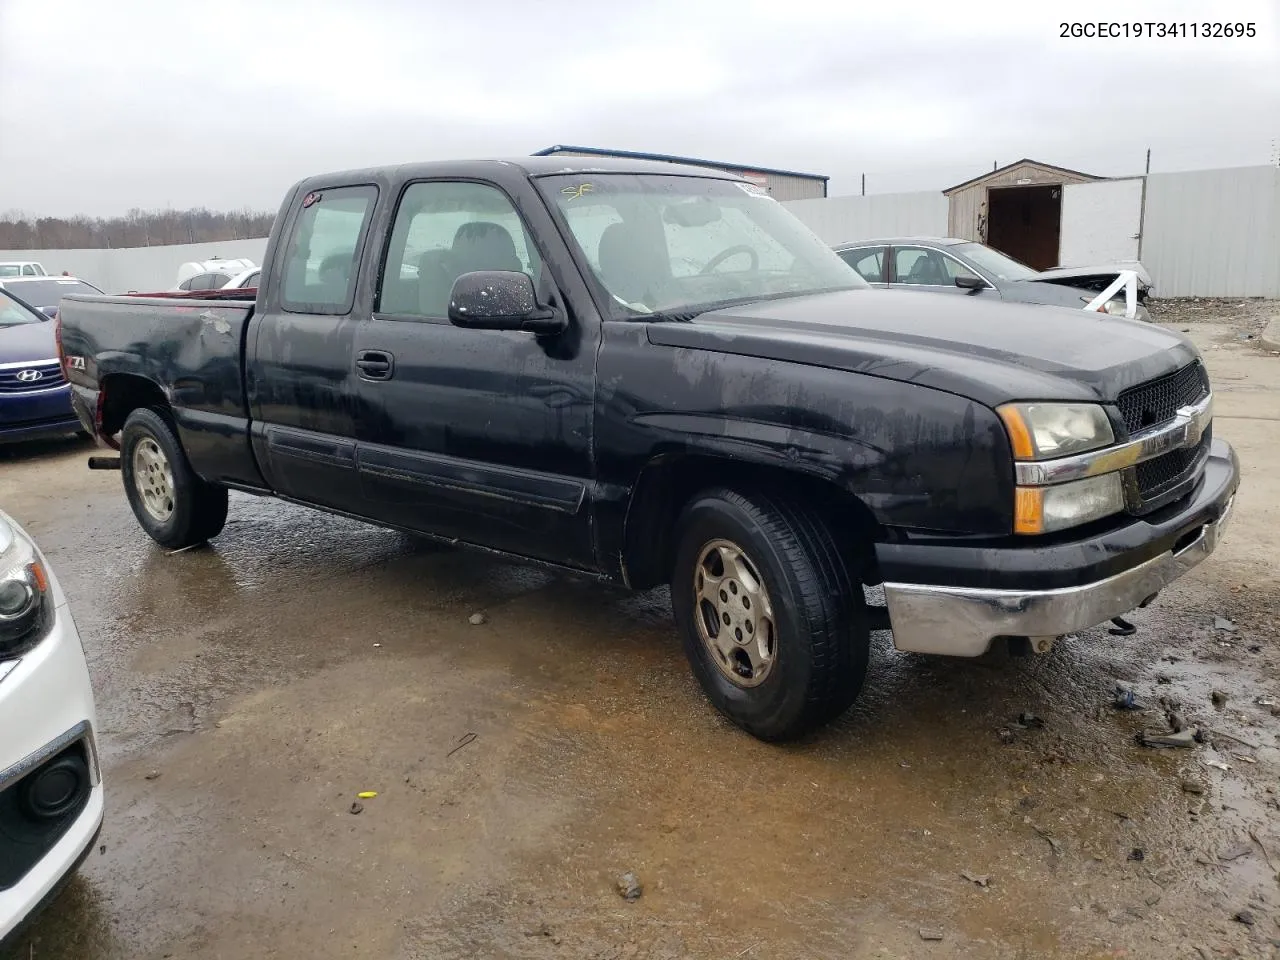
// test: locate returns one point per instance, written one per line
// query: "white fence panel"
(136, 268)
(1213, 233)
(843, 219)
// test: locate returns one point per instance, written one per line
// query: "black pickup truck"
(654, 374)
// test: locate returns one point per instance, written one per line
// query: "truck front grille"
(1166, 477)
(1156, 401)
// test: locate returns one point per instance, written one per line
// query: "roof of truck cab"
(532, 166)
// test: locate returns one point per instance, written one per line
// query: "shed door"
(1101, 222)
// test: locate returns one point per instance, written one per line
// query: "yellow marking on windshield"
(575, 193)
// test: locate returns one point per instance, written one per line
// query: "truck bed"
(192, 349)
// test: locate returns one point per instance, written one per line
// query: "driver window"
(955, 268)
(442, 230)
(918, 265)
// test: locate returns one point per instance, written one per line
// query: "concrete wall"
(842, 219)
(1213, 233)
(136, 268)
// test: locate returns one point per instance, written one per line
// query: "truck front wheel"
(773, 620)
(174, 506)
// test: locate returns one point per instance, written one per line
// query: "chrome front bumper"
(962, 622)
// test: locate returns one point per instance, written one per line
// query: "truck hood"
(989, 351)
(27, 341)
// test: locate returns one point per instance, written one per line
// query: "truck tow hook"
(104, 463)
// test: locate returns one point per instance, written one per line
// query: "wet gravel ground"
(247, 692)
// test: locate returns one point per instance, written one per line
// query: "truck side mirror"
(500, 300)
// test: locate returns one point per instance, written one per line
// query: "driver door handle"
(375, 365)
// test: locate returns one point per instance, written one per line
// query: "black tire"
(198, 509)
(821, 636)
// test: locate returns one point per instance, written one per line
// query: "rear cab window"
(323, 253)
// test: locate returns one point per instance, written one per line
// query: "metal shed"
(780, 184)
(1017, 209)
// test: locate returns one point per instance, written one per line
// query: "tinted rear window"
(47, 293)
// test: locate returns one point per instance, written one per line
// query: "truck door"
(299, 373)
(477, 434)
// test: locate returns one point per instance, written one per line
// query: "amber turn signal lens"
(38, 577)
(1028, 512)
(1019, 435)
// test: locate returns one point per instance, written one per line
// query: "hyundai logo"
(29, 376)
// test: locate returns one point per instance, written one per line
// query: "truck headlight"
(1046, 509)
(1041, 431)
(26, 602)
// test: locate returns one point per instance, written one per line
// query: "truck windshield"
(13, 313)
(676, 244)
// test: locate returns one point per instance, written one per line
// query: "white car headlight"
(1041, 431)
(1046, 509)
(26, 602)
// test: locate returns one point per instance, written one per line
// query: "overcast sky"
(150, 103)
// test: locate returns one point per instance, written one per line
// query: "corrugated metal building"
(780, 184)
(1017, 209)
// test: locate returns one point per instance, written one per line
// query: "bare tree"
(20, 230)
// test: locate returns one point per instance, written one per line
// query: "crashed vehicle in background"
(967, 268)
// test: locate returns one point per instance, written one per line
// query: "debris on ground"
(1180, 738)
(1122, 628)
(629, 887)
(1163, 678)
(1219, 698)
(152, 775)
(927, 934)
(1030, 721)
(465, 739)
(1245, 917)
(476, 619)
(1125, 699)
(1193, 787)
(1243, 758)
(1254, 648)
(982, 880)
(1218, 765)
(1137, 855)
(1006, 735)
(367, 794)
(1054, 844)
(1235, 852)
(1222, 623)
(356, 806)
(544, 930)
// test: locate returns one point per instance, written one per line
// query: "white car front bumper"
(46, 710)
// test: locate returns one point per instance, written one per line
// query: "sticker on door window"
(578, 191)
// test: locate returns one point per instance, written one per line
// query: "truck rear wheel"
(773, 621)
(174, 506)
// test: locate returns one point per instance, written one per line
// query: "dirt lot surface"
(249, 691)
